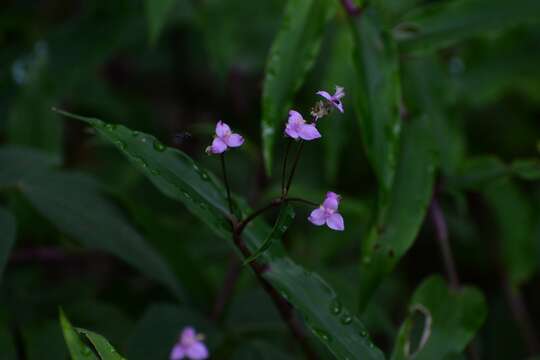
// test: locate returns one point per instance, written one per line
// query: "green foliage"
(283, 221)
(291, 56)
(378, 97)
(398, 226)
(179, 177)
(94, 346)
(442, 23)
(158, 13)
(450, 320)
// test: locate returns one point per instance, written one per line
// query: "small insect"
(181, 137)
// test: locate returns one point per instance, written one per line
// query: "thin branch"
(256, 213)
(229, 283)
(284, 170)
(285, 309)
(521, 316)
(226, 181)
(303, 201)
(351, 8)
(441, 232)
(295, 165)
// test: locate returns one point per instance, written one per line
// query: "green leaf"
(74, 204)
(396, 230)
(179, 177)
(514, 220)
(158, 11)
(451, 319)
(291, 56)
(284, 220)
(377, 96)
(440, 24)
(528, 169)
(77, 348)
(477, 172)
(104, 349)
(7, 237)
(20, 162)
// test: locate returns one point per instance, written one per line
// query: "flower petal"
(309, 132)
(335, 222)
(291, 131)
(339, 92)
(338, 105)
(325, 95)
(188, 335)
(177, 352)
(218, 146)
(197, 351)
(317, 217)
(222, 129)
(234, 140)
(295, 118)
(331, 203)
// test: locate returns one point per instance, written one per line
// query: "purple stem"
(351, 8)
(441, 232)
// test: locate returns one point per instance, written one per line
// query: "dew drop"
(364, 333)
(321, 334)
(366, 260)
(97, 123)
(158, 146)
(336, 307)
(120, 144)
(110, 127)
(346, 319)
(140, 161)
(86, 352)
(135, 133)
(155, 172)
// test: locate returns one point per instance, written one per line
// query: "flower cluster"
(190, 345)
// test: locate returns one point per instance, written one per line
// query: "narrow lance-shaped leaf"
(7, 237)
(377, 96)
(105, 350)
(77, 348)
(451, 318)
(408, 201)
(284, 220)
(179, 177)
(439, 24)
(516, 232)
(291, 56)
(73, 203)
(158, 12)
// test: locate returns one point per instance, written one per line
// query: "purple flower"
(335, 99)
(224, 139)
(297, 127)
(189, 346)
(327, 213)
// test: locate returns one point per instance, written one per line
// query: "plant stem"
(284, 170)
(521, 316)
(441, 231)
(295, 165)
(226, 292)
(285, 309)
(256, 213)
(303, 201)
(226, 181)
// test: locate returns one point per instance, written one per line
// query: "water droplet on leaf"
(158, 146)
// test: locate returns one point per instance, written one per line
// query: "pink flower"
(224, 139)
(189, 346)
(335, 99)
(327, 213)
(297, 127)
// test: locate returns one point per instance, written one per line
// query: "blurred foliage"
(443, 100)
